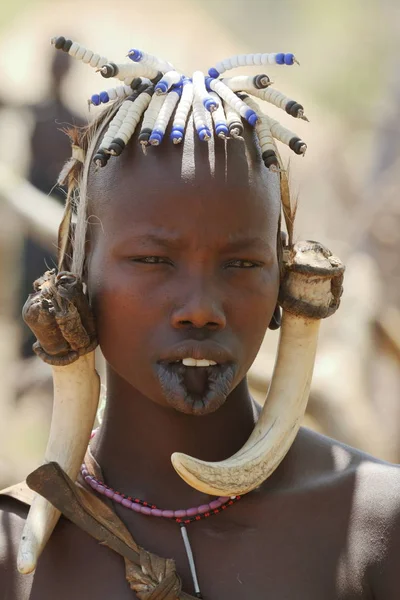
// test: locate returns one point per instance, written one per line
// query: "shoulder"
(368, 490)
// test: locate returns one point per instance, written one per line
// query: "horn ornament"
(310, 290)
(59, 315)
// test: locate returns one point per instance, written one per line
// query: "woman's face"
(183, 268)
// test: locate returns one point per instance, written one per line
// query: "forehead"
(216, 189)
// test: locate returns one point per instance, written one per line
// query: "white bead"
(80, 53)
(103, 60)
(250, 60)
(257, 59)
(227, 63)
(150, 116)
(184, 105)
(272, 58)
(87, 57)
(242, 60)
(74, 49)
(94, 60)
(234, 62)
(112, 93)
(220, 67)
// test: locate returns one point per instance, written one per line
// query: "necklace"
(181, 517)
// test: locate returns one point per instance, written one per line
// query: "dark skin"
(326, 524)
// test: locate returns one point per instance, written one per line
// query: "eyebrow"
(173, 241)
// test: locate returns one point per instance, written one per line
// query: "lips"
(197, 350)
(196, 389)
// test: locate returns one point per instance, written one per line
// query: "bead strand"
(278, 99)
(200, 91)
(182, 111)
(139, 56)
(126, 71)
(132, 118)
(199, 117)
(79, 52)
(102, 155)
(250, 60)
(244, 83)
(234, 121)
(269, 151)
(120, 91)
(181, 516)
(164, 116)
(168, 79)
(219, 118)
(231, 98)
(150, 118)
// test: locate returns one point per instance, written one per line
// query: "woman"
(182, 256)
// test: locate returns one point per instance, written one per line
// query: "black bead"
(111, 70)
(258, 83)
(59, 43)
(145, 134)
(289, 105)
(236, 125)
(136, 82)
(296, 145)
(157, 78)
(293, 108)
(67, 45)
(149, 90)
(242, 95)
(269, 157)
(101, 158)
(117, 146)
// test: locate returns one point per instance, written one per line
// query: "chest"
(279, 556)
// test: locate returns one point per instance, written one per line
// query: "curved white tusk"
(76, 396)
(312, 289)
(277, 426)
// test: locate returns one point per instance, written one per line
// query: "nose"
(200, 308)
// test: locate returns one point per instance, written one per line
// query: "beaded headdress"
(155, 95)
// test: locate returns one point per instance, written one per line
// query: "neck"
(137, 437)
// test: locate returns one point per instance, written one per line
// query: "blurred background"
(348, 183)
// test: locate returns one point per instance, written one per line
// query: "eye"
(152, 260)
(243, 264)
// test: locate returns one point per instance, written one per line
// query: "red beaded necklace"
(182, 517)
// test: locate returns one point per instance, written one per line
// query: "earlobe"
(276, 319)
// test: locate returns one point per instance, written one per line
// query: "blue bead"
(177, 89)
(221, 128)
(179, 128)
(162, 85)
(213, 73)
(280, 58)
(209, 104)
(104, 97)
(251, 117)
(95, 99)
(289, 59)
(207, 81)
(135, 54)
(176, 134)
(203, 132)
(156, 134)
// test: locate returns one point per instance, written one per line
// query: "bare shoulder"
(368, 489)
(13, 586)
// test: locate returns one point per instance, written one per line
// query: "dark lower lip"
(219, 384)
